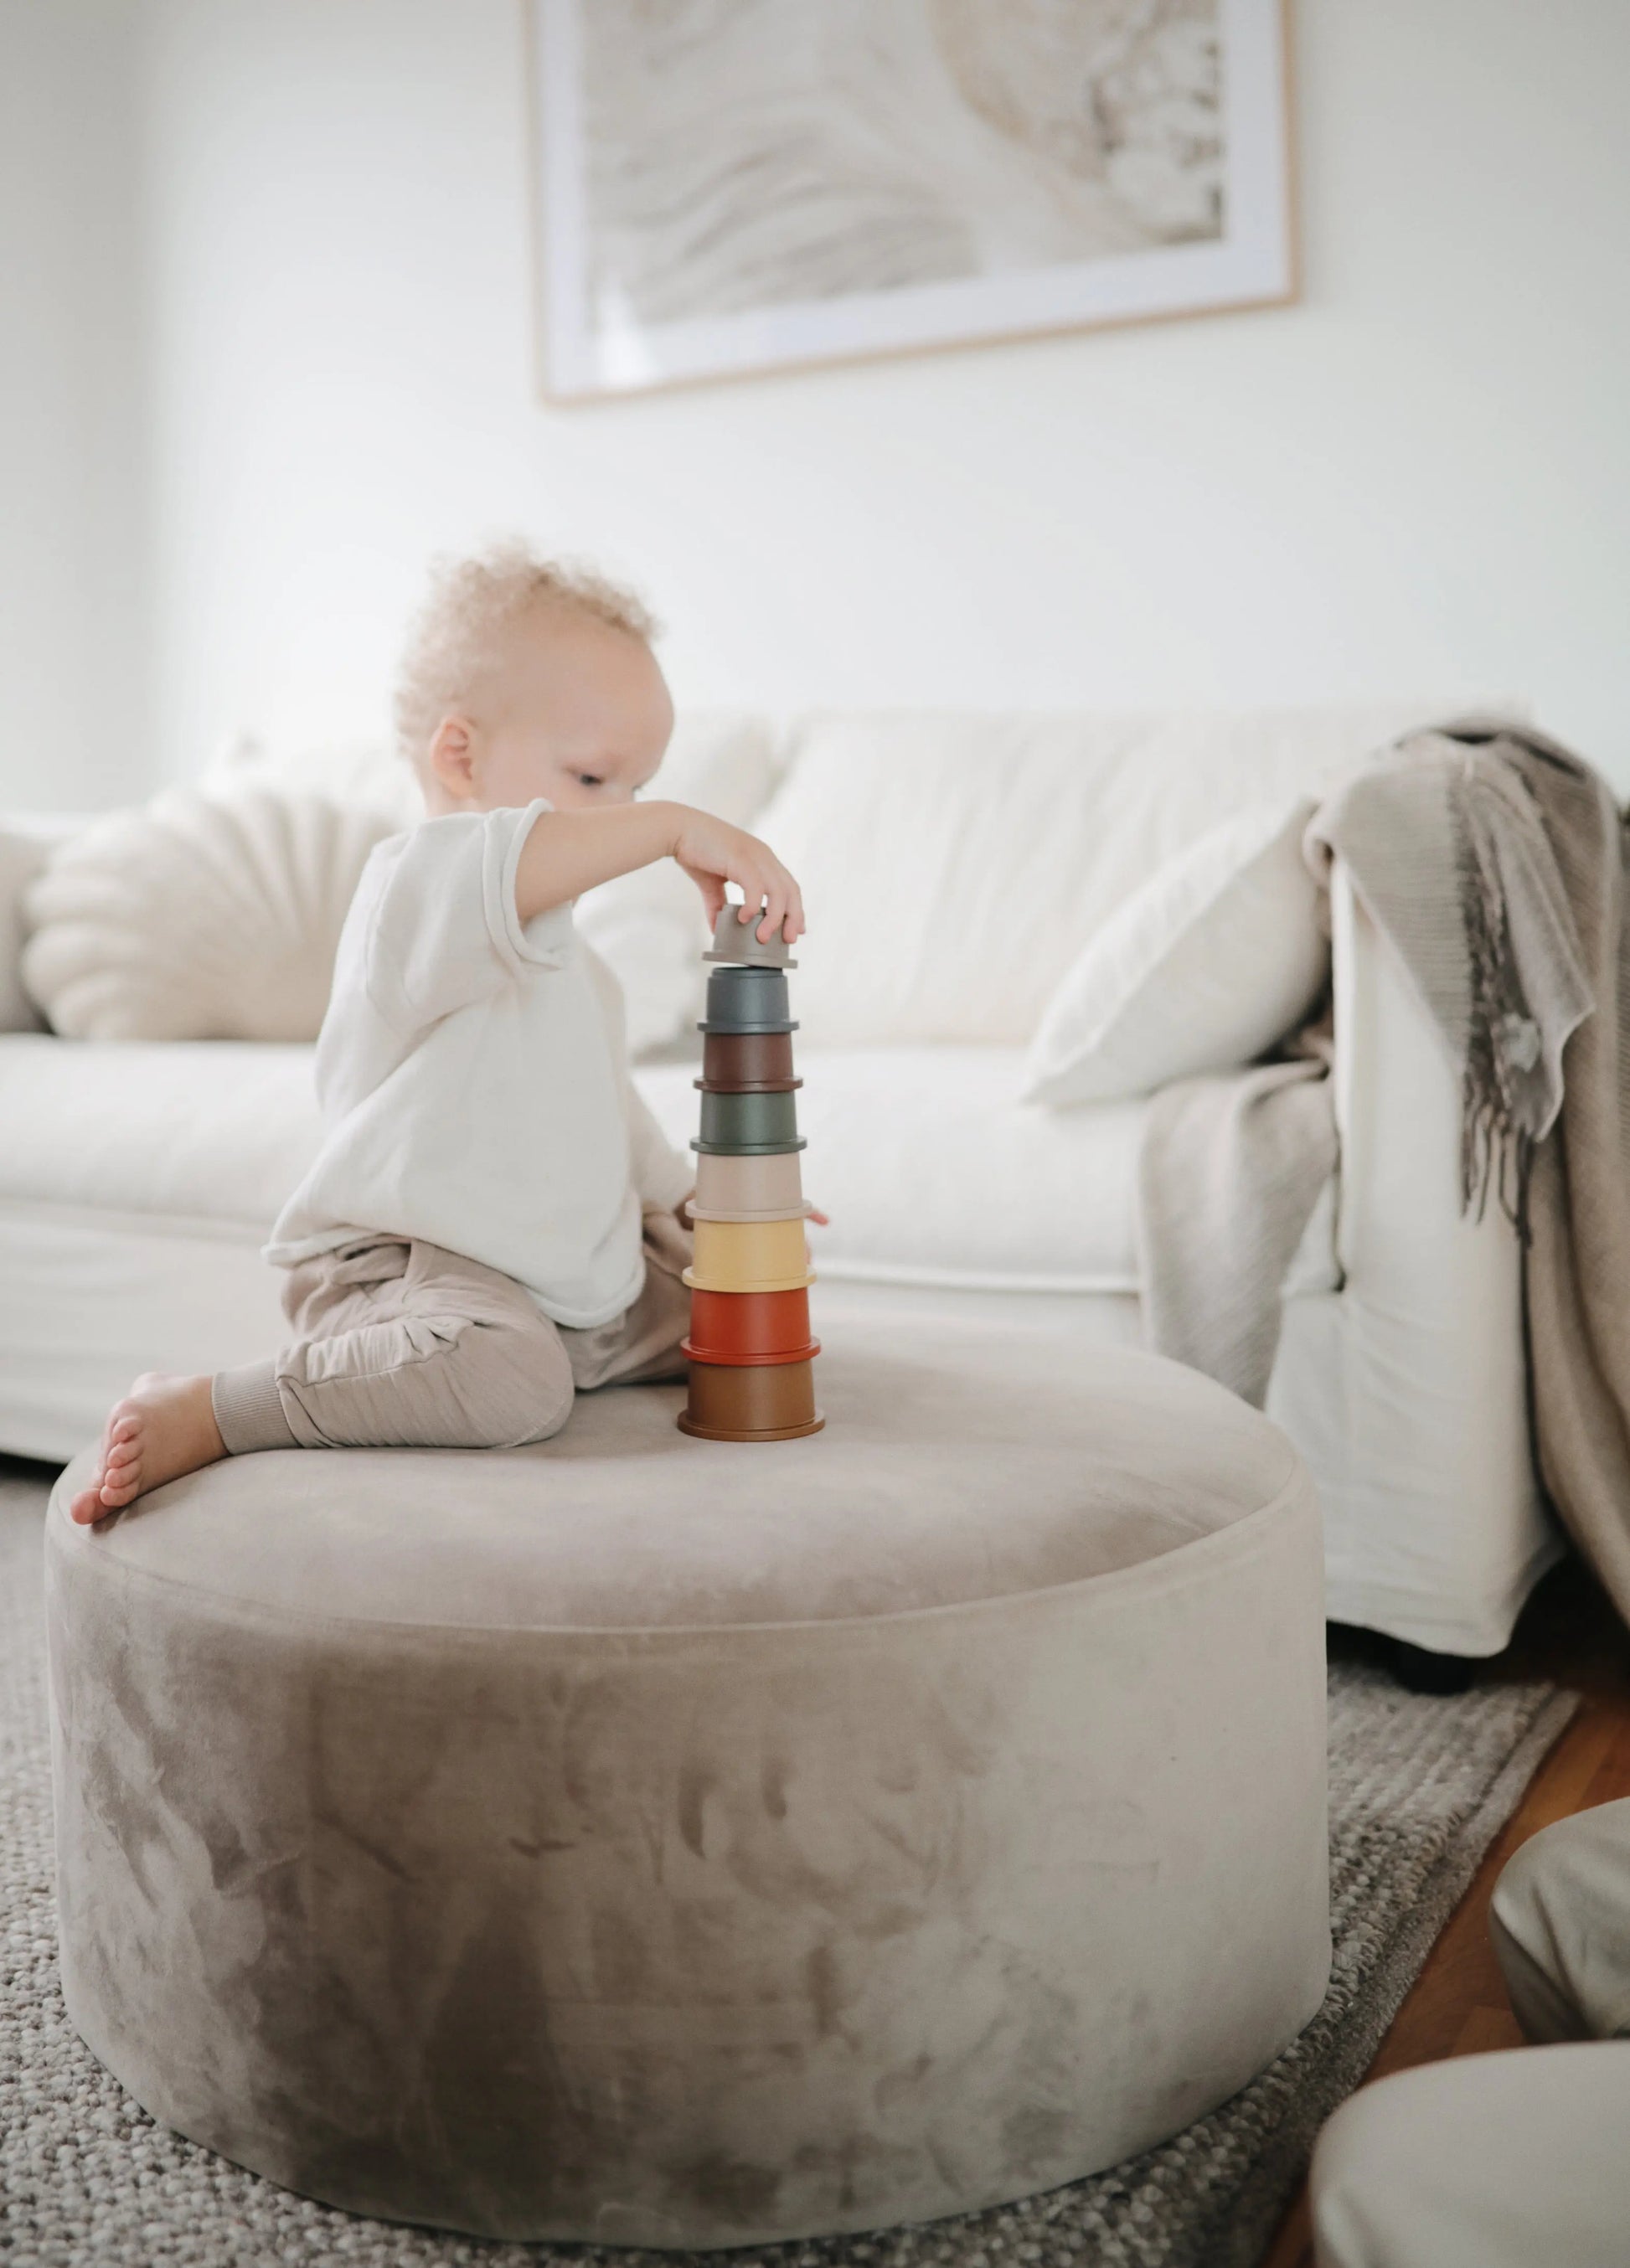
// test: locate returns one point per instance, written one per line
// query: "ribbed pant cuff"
(248, 1409)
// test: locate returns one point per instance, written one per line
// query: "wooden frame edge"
(858, 358)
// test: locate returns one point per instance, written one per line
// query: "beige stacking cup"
(695, 1212)
(767, 1186)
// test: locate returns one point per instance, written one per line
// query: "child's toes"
(87, 1506)
(119, 1484)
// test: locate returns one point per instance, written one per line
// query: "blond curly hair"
(470, 603)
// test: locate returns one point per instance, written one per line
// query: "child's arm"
(569, 851)
(661, 1174)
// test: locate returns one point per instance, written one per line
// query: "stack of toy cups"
(749, 1348)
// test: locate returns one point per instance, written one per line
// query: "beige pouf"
(644, 1841)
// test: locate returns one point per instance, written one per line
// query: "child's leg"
(399, 1345)
(642, 1343)
(404, 1345)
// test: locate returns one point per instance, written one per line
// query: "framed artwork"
(729, 185)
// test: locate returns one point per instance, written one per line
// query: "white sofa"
(950, 865)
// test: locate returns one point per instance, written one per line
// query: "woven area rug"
(1420, 1787)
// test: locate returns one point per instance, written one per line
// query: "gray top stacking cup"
(736, 941)
(746, 1000)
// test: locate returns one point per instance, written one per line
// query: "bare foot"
(165, 1426)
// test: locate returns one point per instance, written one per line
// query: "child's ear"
(452, 756)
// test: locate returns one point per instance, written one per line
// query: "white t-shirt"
(474, 1080)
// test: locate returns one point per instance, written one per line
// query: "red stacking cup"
(745, 1328)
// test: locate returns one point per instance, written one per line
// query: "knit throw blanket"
(1494, 862)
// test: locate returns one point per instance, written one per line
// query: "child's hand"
(713, 852)
(820, 1218)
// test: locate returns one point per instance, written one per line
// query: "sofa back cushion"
(953, 863)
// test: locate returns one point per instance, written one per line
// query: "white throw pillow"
(1219, 955)
(198, 917)
(953, 863)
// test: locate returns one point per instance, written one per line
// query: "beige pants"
(1520, 2159)
(400, 1343)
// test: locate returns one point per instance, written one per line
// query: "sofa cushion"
(934, 1171)
(1220, 954)
(217, 1131)
(930, 1167)
(953, 864)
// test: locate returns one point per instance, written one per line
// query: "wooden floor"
(1458, 2005)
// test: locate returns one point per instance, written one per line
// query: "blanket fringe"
(1495, 1151)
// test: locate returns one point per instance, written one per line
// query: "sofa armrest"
(1428, 1487)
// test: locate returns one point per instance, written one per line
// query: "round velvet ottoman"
(647, 1841)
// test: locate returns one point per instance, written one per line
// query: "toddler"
(493, 1221)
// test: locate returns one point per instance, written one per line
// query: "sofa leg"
(1419, 1670)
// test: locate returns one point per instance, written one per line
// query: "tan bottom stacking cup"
(751, 1401)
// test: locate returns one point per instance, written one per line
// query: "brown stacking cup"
(739, 1061)
(762, 1402)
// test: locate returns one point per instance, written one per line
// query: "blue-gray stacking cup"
(740, 999)
(759, 1119)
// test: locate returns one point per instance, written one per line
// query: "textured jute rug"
(1419, 1788)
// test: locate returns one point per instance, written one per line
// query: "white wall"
(74, 709)
(1416, 481)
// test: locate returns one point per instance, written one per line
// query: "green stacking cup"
(756, 1120)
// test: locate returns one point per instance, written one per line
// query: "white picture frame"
(595, 342)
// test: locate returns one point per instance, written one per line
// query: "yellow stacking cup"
(749, 1256)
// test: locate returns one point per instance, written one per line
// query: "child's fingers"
(776, 914)
(785, 912)
(712, 889)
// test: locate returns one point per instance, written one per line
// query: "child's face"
(572, 709)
